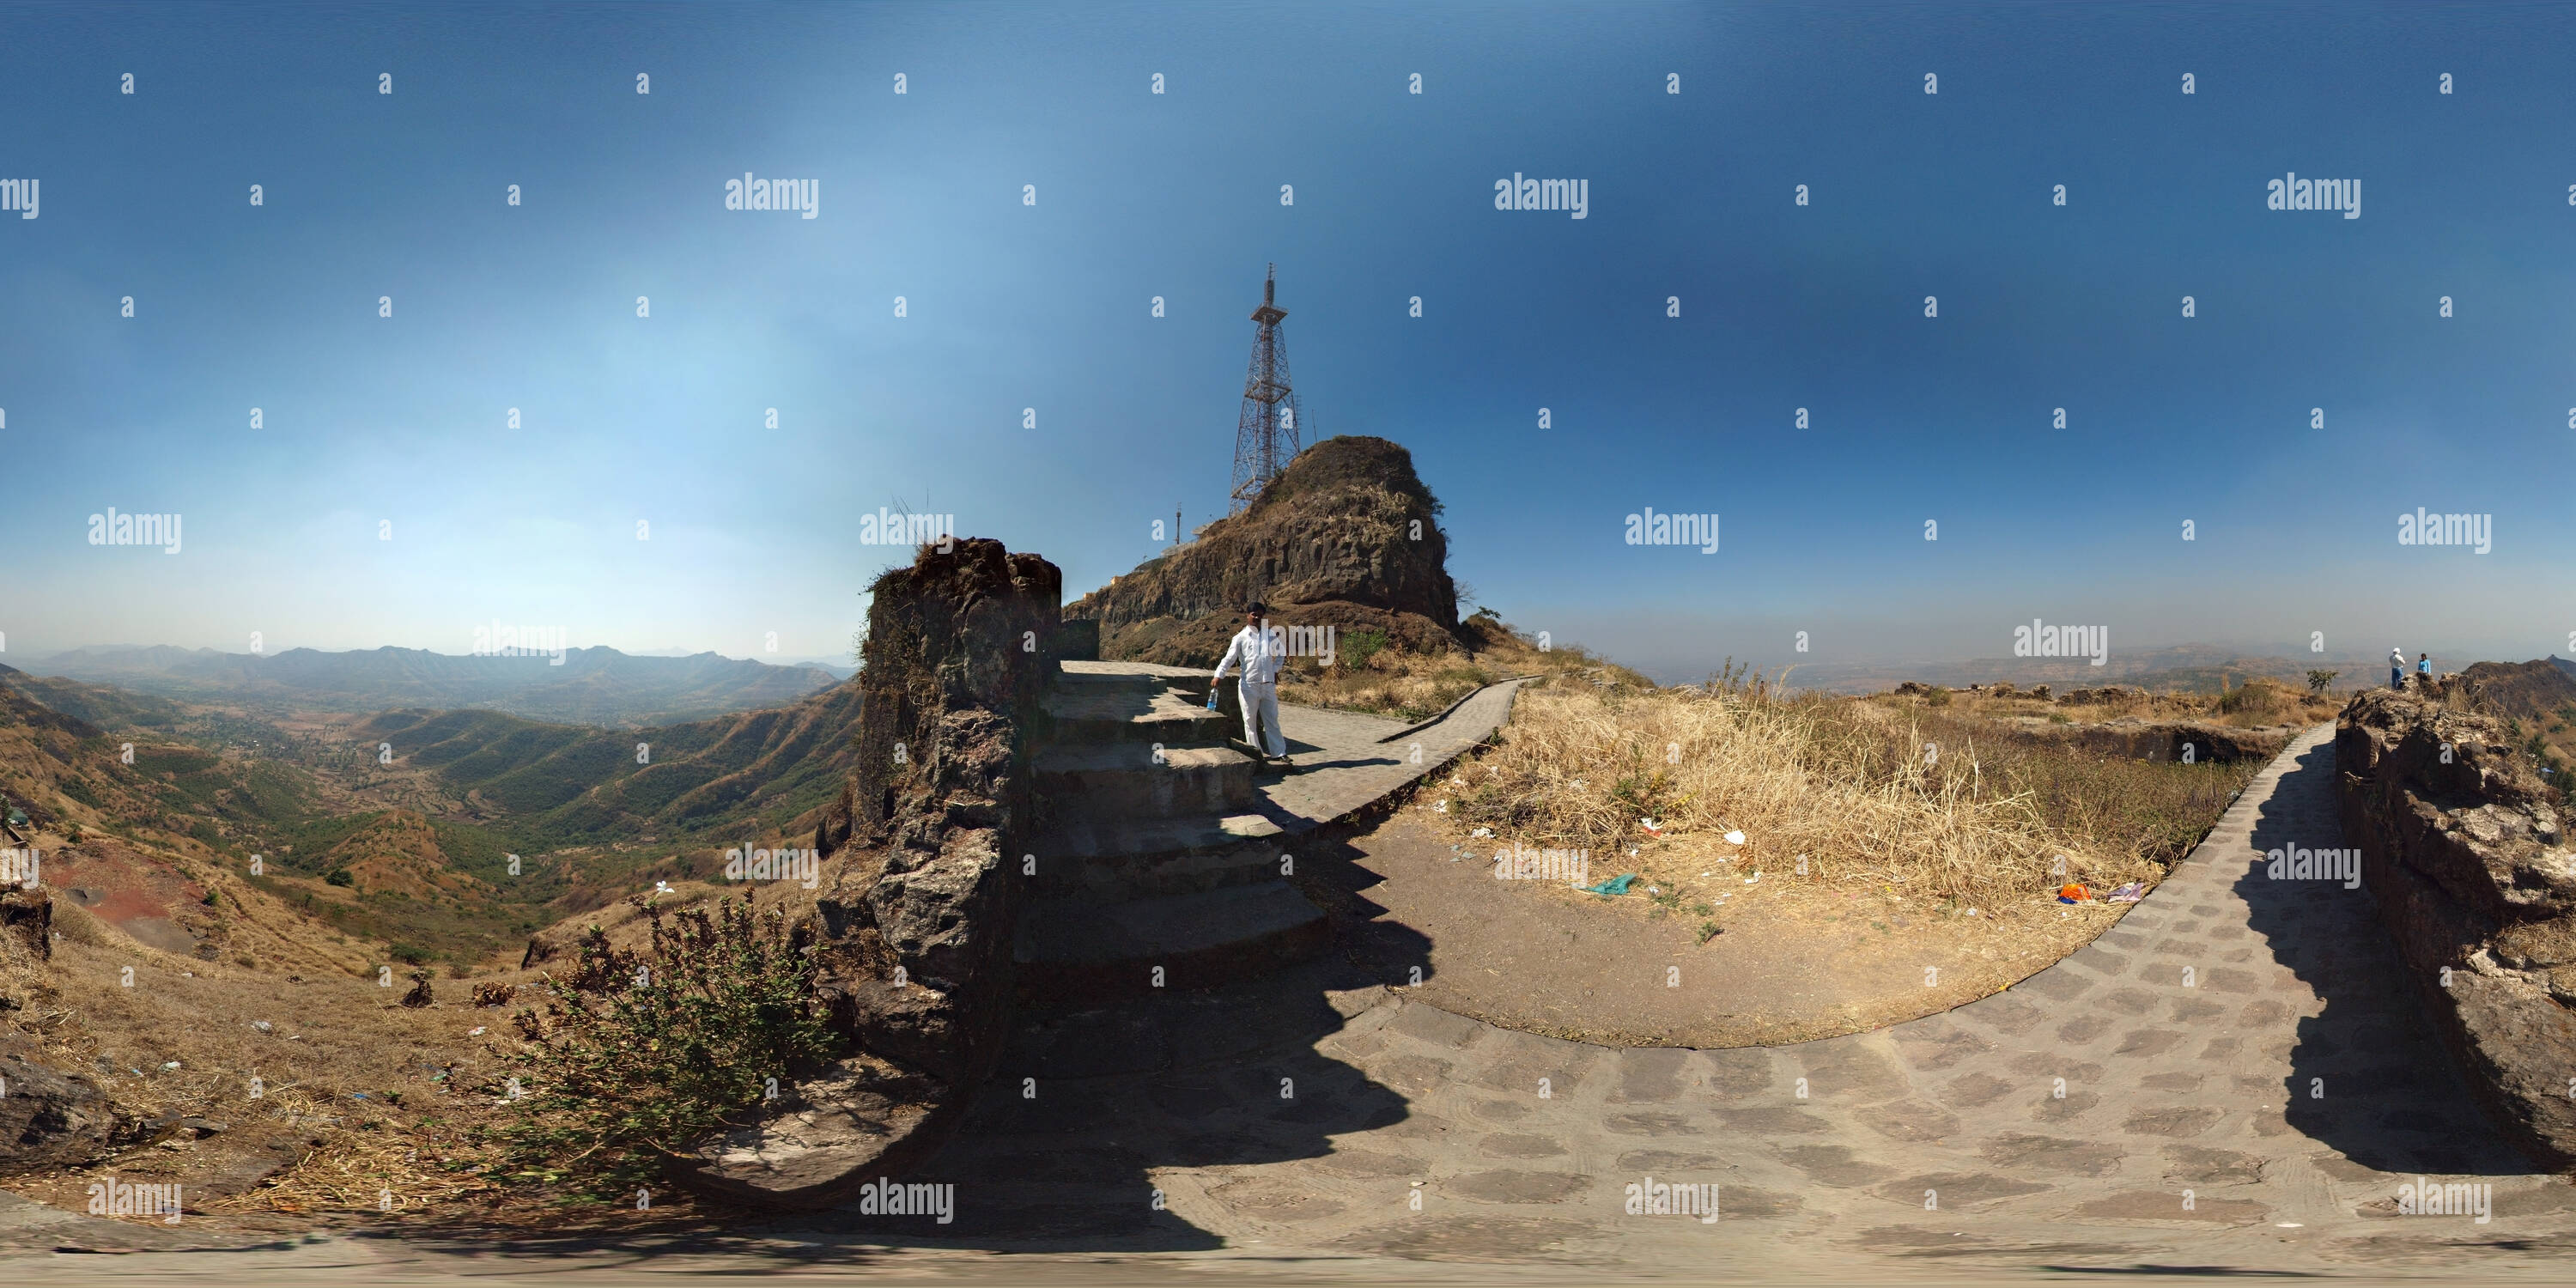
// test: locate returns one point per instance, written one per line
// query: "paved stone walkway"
(1344, 760)
(2236, 1074)
(2111, 1113)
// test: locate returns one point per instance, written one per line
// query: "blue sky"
(370, 420)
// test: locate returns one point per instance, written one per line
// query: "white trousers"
(1261, 717)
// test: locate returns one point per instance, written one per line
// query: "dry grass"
(1932, 805)
(1417, 686)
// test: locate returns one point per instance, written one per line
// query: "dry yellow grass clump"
(1945, 809)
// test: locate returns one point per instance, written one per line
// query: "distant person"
(2396, 667)
(1259, 651)
(2424, 667)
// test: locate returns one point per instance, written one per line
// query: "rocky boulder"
(2466, 851)
(49, 1119)
(917, 930)
(1346, 536)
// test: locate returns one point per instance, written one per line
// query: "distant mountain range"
(593, 686)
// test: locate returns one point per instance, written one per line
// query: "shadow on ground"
(2369, 1074)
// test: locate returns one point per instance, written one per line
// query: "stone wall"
(958, 655)
(2469, 860)
(914, 956)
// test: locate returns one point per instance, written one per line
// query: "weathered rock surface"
(2466, 851)
(915, 956)
(1347, 536)
(49, 1118)
(859, 1120)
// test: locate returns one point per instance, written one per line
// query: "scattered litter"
(1973, 912)
(1735, 838)
(478, 1032)
(2073, 893)
(360, 1095)
(168, 1065)
(1654, 889)
(1706, 874)
(1482, 832)
(298, 1037)
(2130, 893)
(1651, 828)
(1613, 886)
(2286, 1225)
(1456, 781)
(262, 1025)
(187, 974)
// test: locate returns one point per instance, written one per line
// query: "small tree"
(2318, 680)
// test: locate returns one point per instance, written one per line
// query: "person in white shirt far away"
(2396, 667)
(1258, 650)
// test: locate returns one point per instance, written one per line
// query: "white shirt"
(2397, 659)
(1259, 652)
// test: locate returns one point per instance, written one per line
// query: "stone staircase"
(1156, 848)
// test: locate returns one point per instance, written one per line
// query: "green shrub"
(339, 877)
(1940, 696)
(1358, 646)
(636, 1054)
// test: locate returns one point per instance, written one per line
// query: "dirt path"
(1789, 966)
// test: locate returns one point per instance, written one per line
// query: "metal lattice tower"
(1268, 435)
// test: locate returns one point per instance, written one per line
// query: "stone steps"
(1143, 710)
(1121, 780)
(1082, 955)
(1144, 865)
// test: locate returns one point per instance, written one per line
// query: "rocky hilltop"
(1346, 536)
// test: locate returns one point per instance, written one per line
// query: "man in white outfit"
(1258, 650)
(2396, 668)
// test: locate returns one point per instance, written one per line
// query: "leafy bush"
(1358, 646)
(1940, 696)
(636, 1054)
(339, 877)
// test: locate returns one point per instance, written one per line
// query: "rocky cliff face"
(2470, 863)
(917, 932)
(1347, 536)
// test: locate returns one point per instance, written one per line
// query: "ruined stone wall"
(2470, 863)
(957, 656)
